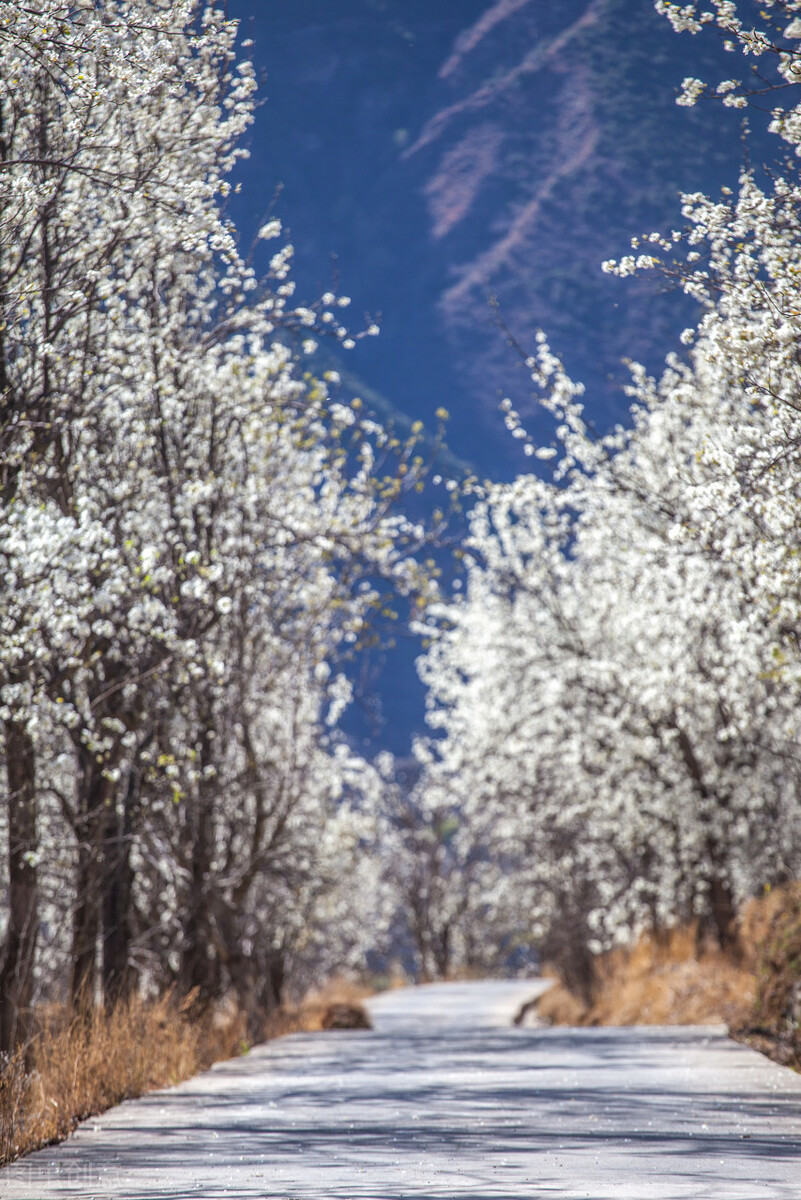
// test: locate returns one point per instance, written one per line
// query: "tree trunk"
(441, 950)
(723, 913)
(271, 989)
(199, 965)
(240, 967)
(93, 798)
(16, 972)
(119, 975)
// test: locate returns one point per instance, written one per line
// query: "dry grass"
(663, 979)
(79, 1067)
(671, 979)
(771, 929)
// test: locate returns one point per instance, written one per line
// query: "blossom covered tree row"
(616, 695)
(192, 530)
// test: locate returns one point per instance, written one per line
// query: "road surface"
(445, 1099)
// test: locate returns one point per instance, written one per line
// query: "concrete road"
(445, 1099)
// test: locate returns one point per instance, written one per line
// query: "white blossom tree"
(192, 527)
(619, 685)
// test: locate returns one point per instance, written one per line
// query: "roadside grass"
(772, 926)
(79, 1066)
(676, 977)
(664, 979)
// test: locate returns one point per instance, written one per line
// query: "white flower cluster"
(775, 39)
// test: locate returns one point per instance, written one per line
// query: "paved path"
(444, 1099)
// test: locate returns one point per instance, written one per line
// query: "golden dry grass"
(665, 979)
(675, 978)
(771, 929)
(78, 1067)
